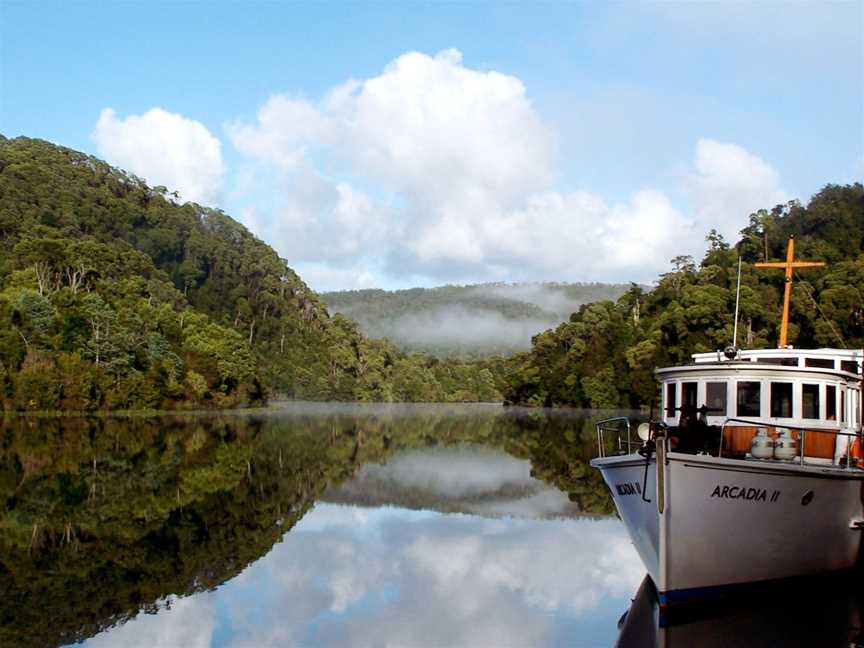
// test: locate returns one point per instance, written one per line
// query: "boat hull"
(728, 523)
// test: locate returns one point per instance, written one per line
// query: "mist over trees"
(605, 355)
(481, 319)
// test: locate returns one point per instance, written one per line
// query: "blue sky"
(525, 141)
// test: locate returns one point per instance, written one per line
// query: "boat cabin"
(809, 394)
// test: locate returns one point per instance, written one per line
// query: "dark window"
(715, 395)
(785, 362)
(670, 399)
(810, 401)
(843, 405)
(849, 365)
(781, 400)
(831, 402)
(749, 398)
(821, 363)
(688, 394)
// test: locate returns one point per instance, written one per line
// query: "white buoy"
(785, 447)
(761, 445)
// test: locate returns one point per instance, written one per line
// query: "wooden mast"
(789, 266)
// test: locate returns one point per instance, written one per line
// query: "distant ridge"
(477, 319)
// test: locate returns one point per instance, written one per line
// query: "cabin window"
(809, 401)
(854, 413)
(821, 363)
(843, 405)
(688, 394)
(849, 365)
(749, 398)
(853, 408)
(781, 400)
(670, 398)
(831, 402)
(715, 395)
(784, 362)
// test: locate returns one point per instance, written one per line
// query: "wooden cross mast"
(789, 266)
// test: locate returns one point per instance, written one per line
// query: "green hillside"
(604, 356)
(480, 319)
(114, 295)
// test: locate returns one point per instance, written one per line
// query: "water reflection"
(461, 479)
(825, 612)
(306, 525)
(103, 519)
(347, 577)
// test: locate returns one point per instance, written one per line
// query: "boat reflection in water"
(825, 612)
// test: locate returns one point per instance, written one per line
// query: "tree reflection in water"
(104, 518)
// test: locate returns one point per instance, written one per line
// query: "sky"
(416, 144)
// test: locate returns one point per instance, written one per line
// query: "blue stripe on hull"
(695, 595)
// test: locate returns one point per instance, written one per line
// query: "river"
(329, 525)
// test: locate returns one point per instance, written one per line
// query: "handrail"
(608, 425)
(603, 426)
(790, 427)
(801, 429)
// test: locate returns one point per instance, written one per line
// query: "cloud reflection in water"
(462, 479)
(346, 576)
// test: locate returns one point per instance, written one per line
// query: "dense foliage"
(473, 320)
(102, 518)
(605, 355)
(114, 295)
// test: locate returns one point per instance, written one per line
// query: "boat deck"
(813, 466)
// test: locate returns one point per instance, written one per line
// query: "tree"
(33, 317)
(109, 343)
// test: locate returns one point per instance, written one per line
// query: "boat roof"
(753, 355)
(845, 363)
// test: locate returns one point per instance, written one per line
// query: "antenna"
(737, 301)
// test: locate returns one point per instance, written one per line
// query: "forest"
(605, 355)
(114, 295)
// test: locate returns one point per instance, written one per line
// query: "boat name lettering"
(744, 493)
(628, 488)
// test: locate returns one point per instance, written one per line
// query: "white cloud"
(580, 231)
(431, 128)
(439, 171)
(728, 184)
(165, 149)
(284, 128)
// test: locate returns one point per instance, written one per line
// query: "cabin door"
(688, 395)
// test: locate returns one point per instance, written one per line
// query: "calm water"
(309, 525)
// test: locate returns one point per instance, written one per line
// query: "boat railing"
(803, 431)
(617, 432)
(620, 427)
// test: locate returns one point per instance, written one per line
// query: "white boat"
(750, 474)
